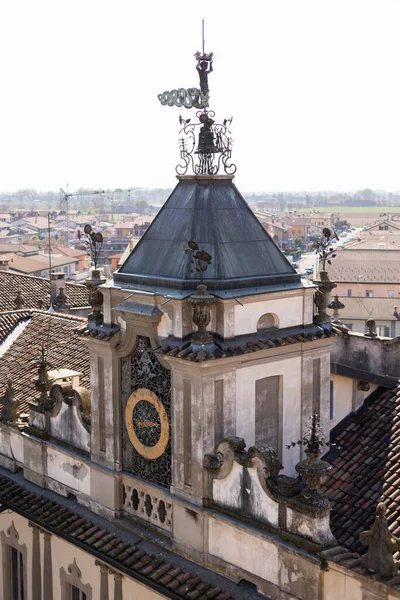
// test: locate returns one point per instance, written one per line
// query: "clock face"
(147, 424)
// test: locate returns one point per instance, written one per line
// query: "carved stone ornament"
(43, 384)
(336, 305)
(19, 300)
(314, 472)
(61, 303)
(201, 303)
(322, 297)
(263, 458)
(95, 318)
(9, 412)
(381, 546)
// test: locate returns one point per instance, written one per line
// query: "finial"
(19, 300)
(370, 323)
(9, 412)
(205, 147)
(382, 544)
(42, 381)
(61, 303)
(336, 305)
(201, 300)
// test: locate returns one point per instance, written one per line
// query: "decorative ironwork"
(199, 258)
(214, 146)
(324, 247)
(206, 146)
(189, 98)
(141, 371)
(204, 67)
(94, 243)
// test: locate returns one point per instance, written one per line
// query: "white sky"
(313, 85)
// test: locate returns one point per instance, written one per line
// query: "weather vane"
(214, 146)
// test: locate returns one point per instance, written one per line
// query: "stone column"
(47, 568)
(103, 580)
(36, 571)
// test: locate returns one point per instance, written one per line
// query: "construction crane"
(65, 205)
(66, 195)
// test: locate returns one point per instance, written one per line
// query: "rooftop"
(212, 212)
(65, 349)
(35, 289)
(367, 470)
(365, 266)
(361, 307)
(119, 545)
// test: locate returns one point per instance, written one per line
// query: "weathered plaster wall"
(245, 497)
(289, 311)
(290, 371)
(346, 397)
(372, 355)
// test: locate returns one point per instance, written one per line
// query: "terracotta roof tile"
(186, 351)
(34, 289)
(109, 547)
(367, 471)
(65, 350)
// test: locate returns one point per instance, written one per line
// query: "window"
(16, 574)
(382, 331)
(331, 400)
(390, 293)
(369, 293)
(349, 293)
(76, 593)
(72, 587)
(13, 577)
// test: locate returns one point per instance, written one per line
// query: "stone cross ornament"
(381, 546)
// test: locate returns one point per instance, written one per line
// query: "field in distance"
(357, 216)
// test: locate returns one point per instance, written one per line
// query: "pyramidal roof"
(210, 211)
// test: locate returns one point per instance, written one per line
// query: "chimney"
(4, 264)
(57, 281)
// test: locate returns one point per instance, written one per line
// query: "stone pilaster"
(117, 585)
(47, 568)
(36, 570)
(103, 580)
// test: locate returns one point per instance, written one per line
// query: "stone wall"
(373, 359)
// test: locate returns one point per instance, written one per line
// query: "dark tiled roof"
(367, 469)
(187, 352)
(212, 212)
(101, 332)
(153, 569)
(34, 289)
(65, 350)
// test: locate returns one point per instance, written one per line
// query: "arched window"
(267, 321)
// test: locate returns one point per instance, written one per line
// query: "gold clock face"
(147, 424)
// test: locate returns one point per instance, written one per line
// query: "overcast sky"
(313, 86)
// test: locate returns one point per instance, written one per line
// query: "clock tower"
(208, 344)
